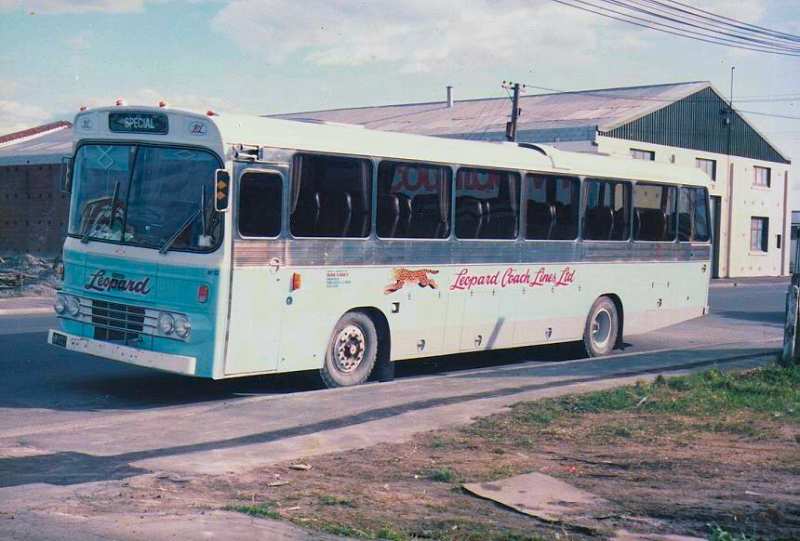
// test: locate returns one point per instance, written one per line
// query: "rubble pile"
(28, 274)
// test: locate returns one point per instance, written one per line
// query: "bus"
(220, 246)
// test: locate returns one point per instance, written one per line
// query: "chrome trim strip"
(382, 252)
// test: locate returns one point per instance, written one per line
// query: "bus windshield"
(154, 197)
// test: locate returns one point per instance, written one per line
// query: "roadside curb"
(26, 311)
(20, 306)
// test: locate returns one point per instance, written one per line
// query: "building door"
(716, 219)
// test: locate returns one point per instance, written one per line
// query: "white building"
(682, 123)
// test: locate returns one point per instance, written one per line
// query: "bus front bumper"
(180, 364)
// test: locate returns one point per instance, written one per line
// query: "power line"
(723, 29)
(705, 34)
(682, 16)
(686, 8)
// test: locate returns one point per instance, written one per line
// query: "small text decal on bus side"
(511, 276)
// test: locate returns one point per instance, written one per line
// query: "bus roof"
(220, 132)
(356, 140)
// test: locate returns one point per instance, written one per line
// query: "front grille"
(117, 322)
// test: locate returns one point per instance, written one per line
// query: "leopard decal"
(402, 276)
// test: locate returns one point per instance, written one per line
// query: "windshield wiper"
(189, 221)
(200, 212)
(87, 233)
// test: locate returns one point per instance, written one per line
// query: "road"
(69, 421)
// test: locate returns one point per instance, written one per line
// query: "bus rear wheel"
(602, 328)
(352, 351)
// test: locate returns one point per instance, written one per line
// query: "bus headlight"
(166, 323)
(59, 306)
(182, 326)
(72, 306)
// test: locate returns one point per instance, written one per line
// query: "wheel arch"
(620, 312)
(383, 329)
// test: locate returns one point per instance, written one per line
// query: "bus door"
(258, 285)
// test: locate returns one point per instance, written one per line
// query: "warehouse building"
(33, 208)
(688, 124)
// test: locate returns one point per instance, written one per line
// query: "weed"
(259, 510)
(441, 475)
(388, 534)
(335, 500)
(721, 534)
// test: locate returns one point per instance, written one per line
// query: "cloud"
(79, 42)
(16, 116)
(45, 7)
(424, 35)
(417, 35)
(150, 97)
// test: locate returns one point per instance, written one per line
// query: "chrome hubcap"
(601, 328)
(349, 348)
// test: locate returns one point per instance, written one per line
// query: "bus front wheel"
(352, 351)
(602, 328)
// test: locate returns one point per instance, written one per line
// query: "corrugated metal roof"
(603, 108)
(30, 132)
(42, 147)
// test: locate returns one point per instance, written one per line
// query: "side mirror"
(66, 181)
(222, 188)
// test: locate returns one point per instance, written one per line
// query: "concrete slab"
(212, 525)
(540, 496)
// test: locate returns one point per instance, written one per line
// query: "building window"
(709, 167)
(761, 176)
(759, 234)
(648, 155)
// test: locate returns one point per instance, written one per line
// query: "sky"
(271, 56)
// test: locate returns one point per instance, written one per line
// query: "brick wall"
(33, 210)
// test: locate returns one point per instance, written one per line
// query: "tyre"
(602, 328)
(352, 351)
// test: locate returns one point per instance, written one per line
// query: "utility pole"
(511, 127)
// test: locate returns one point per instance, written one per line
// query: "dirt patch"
(682, 456)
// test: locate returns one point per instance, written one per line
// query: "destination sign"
(138, 122)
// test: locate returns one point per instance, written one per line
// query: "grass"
(259, 510)
(745, 404)
(771, 392)
(335, 500)
(720, 534)
(442, 475)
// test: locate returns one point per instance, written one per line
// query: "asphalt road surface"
(51, 385)
(68, 421)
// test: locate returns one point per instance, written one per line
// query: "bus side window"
(654, 212)
(331, 196)
(552, 207)
(702, 231)
(413, 201)
(693, 218)
(260, 201)
(607, 210)
(487, 204)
